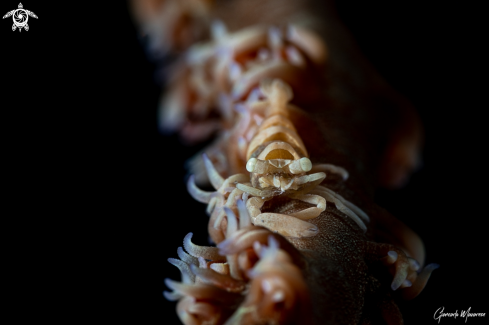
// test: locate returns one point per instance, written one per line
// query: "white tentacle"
(310, 213)
(340, 206)
(349, 204)
(286, 225)
(329, 168)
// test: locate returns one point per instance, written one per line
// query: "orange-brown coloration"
(341, 265)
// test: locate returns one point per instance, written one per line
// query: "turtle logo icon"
(20, 17)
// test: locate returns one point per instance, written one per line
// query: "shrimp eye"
(250, 165)
(306, 164)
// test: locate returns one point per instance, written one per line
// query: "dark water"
(98, 197)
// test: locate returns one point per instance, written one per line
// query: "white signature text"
(439, 314)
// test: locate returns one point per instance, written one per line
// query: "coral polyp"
(298, 151)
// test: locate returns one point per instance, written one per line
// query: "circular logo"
(20, 17)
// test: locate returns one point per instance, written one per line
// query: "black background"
(96, 200)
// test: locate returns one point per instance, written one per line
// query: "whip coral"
(298, 152)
